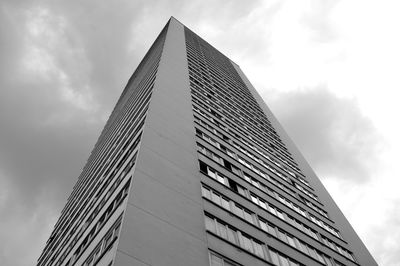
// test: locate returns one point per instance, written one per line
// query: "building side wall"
(362, 254)
(164, 223)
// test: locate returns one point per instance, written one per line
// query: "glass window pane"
(107, 241)
(328, 261)
(274, 257)
(89, 261)
(254, 183)
(216, 158)
(258, 250)
(241, 191)
(216, 261)
(320, 258)
(282, 236)
(271, 230)
(311, 251)
(231, 236)
(291, 241)
(206, 192)
(227, 263)
(248, 217)
(211, 173)
(222, 230)
(238, 211)
(215, 198)
(271, 210)
(225, 203)
(263, 226)
(284, 261)
(247, 244)
(254, 199)
(236, 170)
(210, 224)
(303, 248)
(221, 179)
(240, 238)
(116, 230)
(280, 214)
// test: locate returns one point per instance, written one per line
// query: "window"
(320, 258)
(116, 230)
(258, 250)
(225, 203)
(238, 211)
(246, 244)
(282, 236)
(254, 199)
(263, 204)
(89, 261)
(284, 261)
(215, 198)
(206, 192)
(222, 230)
(248, 217)
(328, 261)
(272, 210)
(274, 257)
(107, 240)
(272, 230)
(218, 260)
(230, 153)
(231, 236)
(303, 248)
(311, 251)
(234, 236)
(280, 214)
(221, 179)
(211, 173)
(263, 225)
(281, 260)
(210, 224)
(255, 183)
(291, 241)
(96, 254)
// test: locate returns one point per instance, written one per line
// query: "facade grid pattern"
(222, 103)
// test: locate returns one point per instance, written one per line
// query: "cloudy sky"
(328, 69)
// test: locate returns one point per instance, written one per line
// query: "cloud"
(331, 132)
(387, 247)
(25, 226)
(50, 117)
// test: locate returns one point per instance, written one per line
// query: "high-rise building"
(192, 168)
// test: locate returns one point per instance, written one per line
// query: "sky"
(327, 69)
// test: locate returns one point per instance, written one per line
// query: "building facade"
(192, 168)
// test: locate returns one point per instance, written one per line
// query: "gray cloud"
(57, 85)
(331, 132)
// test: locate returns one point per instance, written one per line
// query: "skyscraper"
(192, 168)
